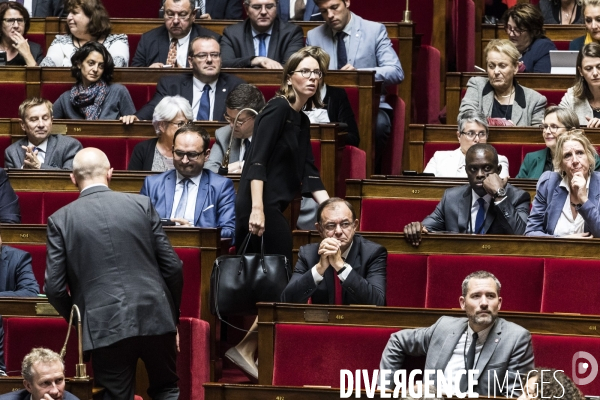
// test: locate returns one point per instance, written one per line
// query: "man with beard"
(497, 349)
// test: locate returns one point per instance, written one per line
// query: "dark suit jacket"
(154, 45)
(215, 204)
(237, 43)
(183, 85)
(364, 285)
(453, 213)
(143, 156)
(45, 8)
(36, 52)
(224, 9)
(10, 211)
(23, 394)
(340, 110)
(60, 152)
(110, 250)
(16, 274)
(507, 350)
(533, 164)
(283, 11)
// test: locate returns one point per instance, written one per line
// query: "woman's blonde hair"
(503, 46)
(290, 67)
(591, 3)
(576, 135)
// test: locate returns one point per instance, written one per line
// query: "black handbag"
(238, 282)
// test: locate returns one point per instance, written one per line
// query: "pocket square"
(211, 206)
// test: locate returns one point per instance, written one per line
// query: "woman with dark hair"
(584, 97)
(15, 24)
(524, 25)
(87, 21)
(556, 385)
(564, 12)
(93, 97)
(591, 18)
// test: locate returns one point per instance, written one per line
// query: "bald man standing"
(110, 250)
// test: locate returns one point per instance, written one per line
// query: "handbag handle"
(243, 248)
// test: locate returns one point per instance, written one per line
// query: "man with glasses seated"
(167, 45)
(344, 268)
(262, 40)
(206, 88)
(190, 195)
(472, 129)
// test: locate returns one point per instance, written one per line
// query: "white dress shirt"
(190, 207)
(451, 164)
(566, 224)
(182, 49)
(197, 95)
(243, 152)
(318, 277)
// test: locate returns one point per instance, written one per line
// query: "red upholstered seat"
(316, 150)
(130, 145)
(553, 96)
(268, 91)
(353, 99)
(520, 277)
(391, 215)
(54, 201)
(529, 148)
(32, 207)
(193, 361)
(463, 35)
(52, 91)
(134, 40)
(314, 355)
(426, 77)
(115, 149)
(38, 261)
(392, 158)
(561, 44)
(13, 95)
(514, 154)
(559, 351)
(406, 280)
(140, 94)
(354, 166)
(190, 301)
(571, 287)
(21, 334)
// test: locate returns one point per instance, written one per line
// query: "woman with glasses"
(591, 18)
(524, 25)
(170, 114)
(564, 12)
(472, 129)
(87, 21)
(280, 165)
(15, 24)
(566, 202)
(93, 97)
(498, 96)
(584, 97)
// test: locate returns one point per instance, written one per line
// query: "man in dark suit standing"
(39, 149)
(43, 8)
(487, 205)
(108, 253)
(206, 88)
(353, 268)
(262, 40)
(168, 44)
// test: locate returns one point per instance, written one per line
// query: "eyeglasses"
(331, 227)
(552, 128)
(191, 155)
(180, 123)
(239, 121)
(513, 31)
(258, 7)
(183, 17)
(10, 21)
(306, 73)
(204, 56)
(472, 134)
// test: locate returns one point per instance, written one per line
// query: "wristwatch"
(500, 193)
(346, 265)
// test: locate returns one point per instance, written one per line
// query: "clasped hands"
(331, 254)
(31, 161)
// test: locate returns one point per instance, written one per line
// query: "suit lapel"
(594, 194)
(50, 148)
(540, 160)
(201, 198)
(490, 345)
(519, 104)
(220, 96)
(445, 353)
(187, 90)
(487, 99)
(248, 49)
(355, 38)
(274, 41)
(555, 205)
(464, 211)
(21, 151)
(354, 260)
(490, 216)
(170, 182)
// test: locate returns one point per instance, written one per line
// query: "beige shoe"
(235, 357)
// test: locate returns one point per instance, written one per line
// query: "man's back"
(122, 272)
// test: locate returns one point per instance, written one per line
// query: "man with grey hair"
(43, 374)
(472, 129)
(243, 103)
(98, 248)
(498, 350)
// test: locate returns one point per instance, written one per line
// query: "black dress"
(281, 156)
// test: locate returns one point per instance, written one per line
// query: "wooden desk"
(59, 181)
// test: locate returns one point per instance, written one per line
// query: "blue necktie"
(204, 108)
(342, 56)
(480, 216)
(180, 211)
(262, 44)
(247, 144)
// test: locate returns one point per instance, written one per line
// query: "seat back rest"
(190, 301)
(391, 215)
(193, 360)
(32, 207)
(13, 95)
(571, 287)
(406, 280)
(54, 201)
(115, 149)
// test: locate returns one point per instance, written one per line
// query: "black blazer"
(36, 52)
(237, 44)
(10, 211)
(224, 9)
(183, 85)
(340, 110)
(143, 156)
(45, 8)
(16, 274)
(154, 45)
(364, 285)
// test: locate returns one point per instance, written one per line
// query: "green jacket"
(533, 164)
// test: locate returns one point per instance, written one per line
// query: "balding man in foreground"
(110, 250)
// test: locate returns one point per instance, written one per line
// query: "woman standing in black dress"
(279, 166)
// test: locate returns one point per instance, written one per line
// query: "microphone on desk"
(80, 372)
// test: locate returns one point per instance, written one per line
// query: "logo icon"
(581, 368)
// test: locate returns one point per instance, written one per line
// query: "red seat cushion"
(32, 207)
(52, 91)
(13, 95)
(463, 35)
(562, 44)
(316, 150)
(354, 166)
(115, 149)
(392, 158)
(193, 361)
(391, 215)
(140, 94)
(268, 91)
(446, 273)
(571, 286)
(426, 77)
(513, 152)
(190, 300)
(406, 280)
(299, 349)
(54, 201)
(352, 94)
(553, 96)
(38, 261)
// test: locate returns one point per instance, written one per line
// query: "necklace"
(570, 16)
(507, 95)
